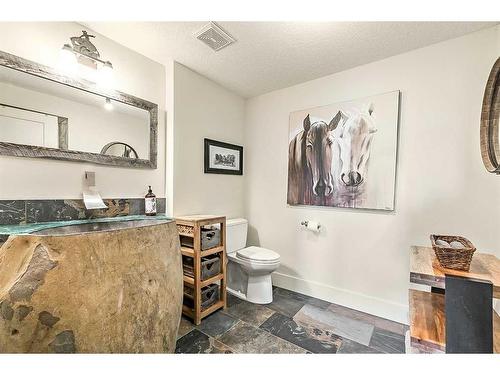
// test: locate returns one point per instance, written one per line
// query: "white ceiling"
(272, 55)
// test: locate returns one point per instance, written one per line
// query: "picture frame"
(344, 154)
(222, 157)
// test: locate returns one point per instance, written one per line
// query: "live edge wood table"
(456, 316)
(191, 226)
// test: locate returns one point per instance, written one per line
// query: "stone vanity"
(110, 285)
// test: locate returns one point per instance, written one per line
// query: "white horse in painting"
(351, 152)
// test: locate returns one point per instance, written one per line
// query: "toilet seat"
(258, 255)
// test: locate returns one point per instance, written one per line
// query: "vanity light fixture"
(67, 54)
(67, 60)
(108, 105)
(83, 52)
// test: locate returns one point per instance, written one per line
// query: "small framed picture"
(223, 158)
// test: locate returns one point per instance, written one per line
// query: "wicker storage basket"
(449, 257)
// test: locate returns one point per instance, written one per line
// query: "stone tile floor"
(292, 323)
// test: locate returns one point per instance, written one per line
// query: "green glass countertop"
(35, 227)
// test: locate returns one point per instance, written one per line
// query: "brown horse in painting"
(299, 175)
(309, 163)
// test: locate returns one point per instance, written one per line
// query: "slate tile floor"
(292, 323)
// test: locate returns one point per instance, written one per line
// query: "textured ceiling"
(273, 55)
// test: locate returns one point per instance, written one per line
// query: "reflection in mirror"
(21, 126)
(35, 97)
(119, 149)
(92, 121)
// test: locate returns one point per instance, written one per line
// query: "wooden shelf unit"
(425, 269)
(428, 322)
(190, 226)
(428, 309)
(190, 252)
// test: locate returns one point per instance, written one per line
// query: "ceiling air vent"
(214, 37)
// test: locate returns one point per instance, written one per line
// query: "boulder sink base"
(116, 291)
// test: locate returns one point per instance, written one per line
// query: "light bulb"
(106, 75)
(88, 73)
(67, 60)
(108, 105)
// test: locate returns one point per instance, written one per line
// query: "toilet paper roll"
(313, 226)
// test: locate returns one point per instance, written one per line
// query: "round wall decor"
(490, 116)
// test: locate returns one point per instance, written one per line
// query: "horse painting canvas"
(344, 154)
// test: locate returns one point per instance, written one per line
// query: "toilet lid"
(258, 253)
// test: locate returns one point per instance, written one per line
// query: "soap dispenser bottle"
(150, 203)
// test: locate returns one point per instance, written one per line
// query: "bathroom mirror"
(490, 117)
(47, 115)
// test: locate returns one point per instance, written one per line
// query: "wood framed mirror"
(490, 117)
(30, 93)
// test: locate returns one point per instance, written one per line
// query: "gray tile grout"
(238, 321)
(275, 312)
(215, 338)
(180, 337)
(263, 330)
(254, 326)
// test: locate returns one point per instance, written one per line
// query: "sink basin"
(98, 227)
(105, 285)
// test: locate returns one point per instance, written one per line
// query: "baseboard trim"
(371, 305)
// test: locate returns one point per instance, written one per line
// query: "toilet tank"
(236, 234)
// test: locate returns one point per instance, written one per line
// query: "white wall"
(203, 109)
(361, 257)
(23, 178)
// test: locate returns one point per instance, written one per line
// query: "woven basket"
(185, 229)
(455, 259)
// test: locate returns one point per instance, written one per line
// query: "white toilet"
(249, 268)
